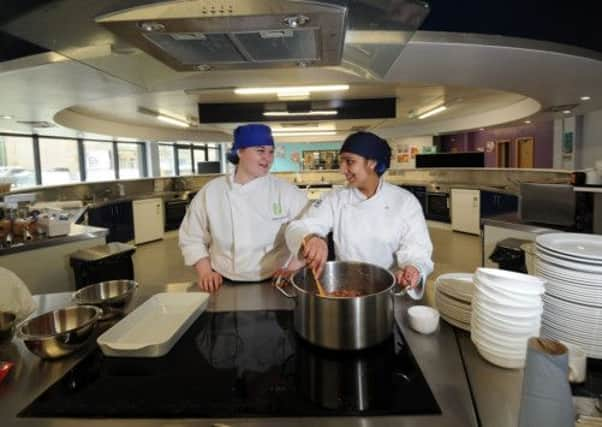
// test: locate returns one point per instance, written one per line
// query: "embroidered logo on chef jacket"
(277, 209)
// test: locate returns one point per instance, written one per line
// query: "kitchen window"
(200, 154)
(184, 155)
(167, 160)
(131, 160)
(17, 161)
(99, 160)
(59, 161)
(213, 152)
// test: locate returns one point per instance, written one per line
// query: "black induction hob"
(243, 364)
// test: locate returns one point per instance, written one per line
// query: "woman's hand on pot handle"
(408, 277)
(315, 253)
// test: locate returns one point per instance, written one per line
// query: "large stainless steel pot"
(344, 323)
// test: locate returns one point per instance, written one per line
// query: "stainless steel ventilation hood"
(204, 35)
(146, 41)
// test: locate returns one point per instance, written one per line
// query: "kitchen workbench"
(441, 357)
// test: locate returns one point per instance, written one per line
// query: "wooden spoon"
(321, 291)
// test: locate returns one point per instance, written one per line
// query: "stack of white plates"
(453, 297)
(506, 312)
(571, 264)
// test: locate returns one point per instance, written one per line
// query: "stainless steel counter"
(438, 356)
(77, 233)
(512, 221)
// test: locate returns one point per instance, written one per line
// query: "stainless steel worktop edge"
(78, 233)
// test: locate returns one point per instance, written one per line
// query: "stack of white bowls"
(453, 298)
(506, 312)
(571, 264)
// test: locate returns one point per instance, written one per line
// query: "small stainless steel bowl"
(7, 326)
(60, 332)
(113, 296)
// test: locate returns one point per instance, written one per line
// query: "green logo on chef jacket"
(276, 209)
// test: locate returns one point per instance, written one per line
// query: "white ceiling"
(485, 80)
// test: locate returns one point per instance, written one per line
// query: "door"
(502, 154)
(148, 220)
(524, 152)
(466, 211)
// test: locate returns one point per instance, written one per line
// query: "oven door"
(174, 213)
(437, 207)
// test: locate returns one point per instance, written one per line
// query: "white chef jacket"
(388, 229)
(241, 227)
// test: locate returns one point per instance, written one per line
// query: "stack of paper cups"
(546, 398)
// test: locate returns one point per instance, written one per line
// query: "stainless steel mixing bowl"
(7, 326)
(113, 296)
(60, 332)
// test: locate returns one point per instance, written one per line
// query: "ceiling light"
(151, 26)
(300, 113)
(432, 112)
(585, 98)
(293, 95)
(301, 133)
(6, 117)
(171, 120)
(164, 117)
(482, 129)
(303, 128)
(289, 89)
(528, 122)
(566, 112)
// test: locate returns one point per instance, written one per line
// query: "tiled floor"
(160, 262)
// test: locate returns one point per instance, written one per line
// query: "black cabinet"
(174, 213)
(493, 203)
(117, 217)
(419, 192)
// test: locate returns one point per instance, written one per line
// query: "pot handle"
(279, 283)
(401, 293)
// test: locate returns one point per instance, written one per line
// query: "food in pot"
(345, 293)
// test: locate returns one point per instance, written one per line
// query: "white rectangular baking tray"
(152, 329)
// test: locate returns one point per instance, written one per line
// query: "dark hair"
(232, 156)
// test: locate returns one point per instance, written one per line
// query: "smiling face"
(358, 170)
(254, 162)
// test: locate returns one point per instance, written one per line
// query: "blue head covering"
(371, 147)
(252, 135)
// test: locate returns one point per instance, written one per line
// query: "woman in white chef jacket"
(371, 220)
(235, 225)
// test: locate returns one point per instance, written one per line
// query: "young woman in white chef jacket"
(371, 220)
(235, 225)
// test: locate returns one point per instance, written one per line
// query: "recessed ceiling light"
(432, 112)
(283, 90)
(528, 122)
(300, 113)
(566, 112)
(164, 117)
(319, 128)
(293, 95)
(6, 117)
(585, 98)
(300, 133)
(482, 129)
(172, 121)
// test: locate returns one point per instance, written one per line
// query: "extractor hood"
(203, 35)
(146, 41)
